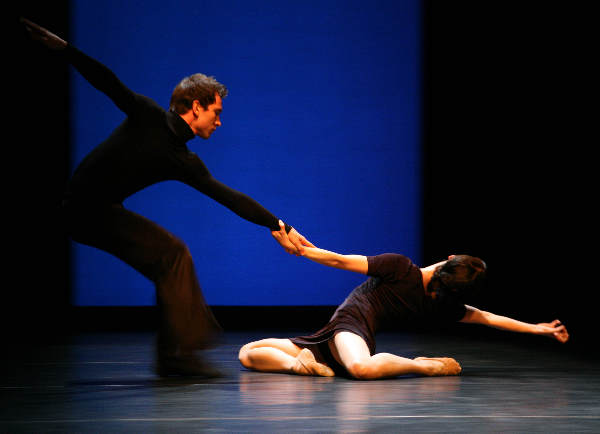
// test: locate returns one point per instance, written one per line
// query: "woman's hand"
(298, 240)
(292, 242)
(554, 330)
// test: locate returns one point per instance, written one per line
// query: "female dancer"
(397, 292)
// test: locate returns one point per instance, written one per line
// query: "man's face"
(207, 120)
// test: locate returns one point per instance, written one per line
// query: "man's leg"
(351, 351)
(187, 323)
(283, 356)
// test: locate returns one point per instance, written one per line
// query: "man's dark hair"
(195, 87)
(460, 278)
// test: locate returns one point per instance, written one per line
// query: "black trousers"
(186, 322)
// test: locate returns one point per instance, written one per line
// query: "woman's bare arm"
(554, 329)
(355, 263)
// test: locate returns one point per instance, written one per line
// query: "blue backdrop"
(321, 126)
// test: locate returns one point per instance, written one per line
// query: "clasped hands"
(292, 242)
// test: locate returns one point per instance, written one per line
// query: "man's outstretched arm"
(249, 209)
(554, 329)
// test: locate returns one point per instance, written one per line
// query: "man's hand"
(554, 330)
(293, 242)
(42, 35)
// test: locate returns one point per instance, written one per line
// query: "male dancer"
(149, 147)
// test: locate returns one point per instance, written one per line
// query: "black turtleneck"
(148, 147)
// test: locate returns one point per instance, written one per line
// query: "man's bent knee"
(176, 256)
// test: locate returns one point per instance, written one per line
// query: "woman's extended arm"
(554, 330)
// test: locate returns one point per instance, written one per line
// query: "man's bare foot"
(306, 364)
(437, 366)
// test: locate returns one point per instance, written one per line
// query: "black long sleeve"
(102, 79)
(148, 147)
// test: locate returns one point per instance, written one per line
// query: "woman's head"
(460, 277)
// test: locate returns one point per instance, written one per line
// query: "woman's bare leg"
(353, 353)
(281, 355)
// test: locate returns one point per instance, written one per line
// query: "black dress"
(393, 296)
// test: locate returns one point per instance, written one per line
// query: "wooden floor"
(105, 383)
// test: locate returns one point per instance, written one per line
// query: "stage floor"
(105, 383)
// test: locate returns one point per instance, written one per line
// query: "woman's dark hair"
(459, 278)
(195, 87)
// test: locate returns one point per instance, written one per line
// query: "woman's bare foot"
(306, 364)
(437, 366)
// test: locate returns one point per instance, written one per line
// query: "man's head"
(198, 99)
(197, 87)
(460, 277)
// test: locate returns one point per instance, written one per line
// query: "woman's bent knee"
(361, 370)
(243, 356)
